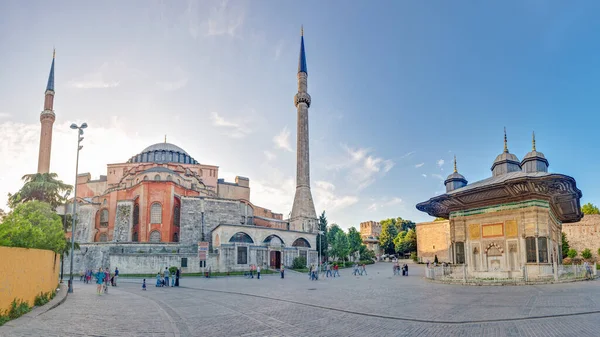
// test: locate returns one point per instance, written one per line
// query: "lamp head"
(73, 126)
(84, 125)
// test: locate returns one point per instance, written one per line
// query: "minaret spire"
(47, 118)
(505, 141)
(303, 216)
(455, 170)
(533, 141)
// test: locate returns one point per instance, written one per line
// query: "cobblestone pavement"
(378, 304)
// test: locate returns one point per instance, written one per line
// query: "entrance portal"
(275, 259)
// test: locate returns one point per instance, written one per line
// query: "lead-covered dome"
(534, 161)
(505, 162)
(163, 153)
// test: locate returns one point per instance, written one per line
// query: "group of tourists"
(163, 278)
(359, 269)
(397, 268)
(103, 278)
(313, 272)
(332, 270)
(254, 268)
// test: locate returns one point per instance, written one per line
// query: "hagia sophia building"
(155, 209)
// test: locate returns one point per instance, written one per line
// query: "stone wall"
(86, 222)
(123, 221)
(584, 234)
(433, 238)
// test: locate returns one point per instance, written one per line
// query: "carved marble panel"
(474, 232)
(512, 230)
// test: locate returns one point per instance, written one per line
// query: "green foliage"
(322, 240)
(299, 262)
(439, 219)
(572, 253)
(565, 245)
(406, 242)
(599, 254)
(435, 259)
(348, 264)
(361, 262)
(41, 187)
(590, 208)
(388, 233)
(414, 257)
(17, 309)
(366, 254)
(331, 234)
(340, 247)
(33, 225)
(405, 225)
(173, 270)
(586, 253)
(354, 240)
(43, 298)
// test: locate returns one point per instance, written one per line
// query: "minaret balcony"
(302, 97)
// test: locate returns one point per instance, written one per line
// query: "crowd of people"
(103, 277)
(397, 268)
(163, 278)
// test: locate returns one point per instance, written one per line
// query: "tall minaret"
(304, 217)
(47, 118)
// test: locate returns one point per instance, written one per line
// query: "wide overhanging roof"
(559, 190)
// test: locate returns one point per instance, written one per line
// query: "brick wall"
(584, 234)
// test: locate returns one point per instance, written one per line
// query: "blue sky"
(398, 88)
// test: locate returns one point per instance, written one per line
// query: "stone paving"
(375, 305)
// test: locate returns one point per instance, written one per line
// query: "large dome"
(163, 153)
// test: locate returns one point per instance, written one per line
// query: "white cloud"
(440, 162)
(178, 79)
(406, 155)
(424, 175)
(225, 20)
(278, 49)
(327, 199)
(384, 203)
(419, 165)
(4, 115)
(234, 129)
(438, 176)
(362, 167)
(108, 75)
(270, 155)
(282, 140)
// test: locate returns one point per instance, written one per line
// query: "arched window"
(301, 242)
(156, 213)
(155, 236)
(241, 237)
(145, 177)
(103, 237)
(175, 237)
(176, 215)
(104, 218)
(273, 240)
(136, 214)
(157, 177)
(169, 178)
(134, 237)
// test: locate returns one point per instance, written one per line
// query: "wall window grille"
(301, 242)
(176, 215)
(136, 214)
(175, 237)
(155, 236)
(169, 178)
(460, 252)
(530, 248)
(134, 237)
(104, 218)
(157, 177)
(241, 238)
(156, 213)
(103, 237)
(242, 255)
(543, 249)
(184, 262)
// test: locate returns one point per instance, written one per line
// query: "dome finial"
(455, 170)
(505, 141)
(165, 139)
(533, 140)
(301, 30)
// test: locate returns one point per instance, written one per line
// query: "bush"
(361, 262)
(173, 270)
(586, 253)
(18, 309)
(572, 253)
(299, 263)
(41, 299)
(414, 257)
(348, 264)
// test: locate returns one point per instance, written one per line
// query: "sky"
(398, 89)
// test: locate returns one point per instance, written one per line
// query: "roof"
(499, 179)
(164, 147)
(160, 169)
(163, 153)
(50, 85)
(302, 59)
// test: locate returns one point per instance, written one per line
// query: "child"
(144, 284)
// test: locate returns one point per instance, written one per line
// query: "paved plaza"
(378, 304)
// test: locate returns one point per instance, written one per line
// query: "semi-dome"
(505, 162)
(534, 161)
(163, 153)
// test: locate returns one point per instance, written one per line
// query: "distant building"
(584, 234)
(500, 224)
(369, 232)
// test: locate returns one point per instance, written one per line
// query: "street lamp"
(320, 247)
(62, 258)
(74, 217)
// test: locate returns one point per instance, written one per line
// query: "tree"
(42, 187)
(399, 242)
(572, 253)
(388, 233)
(354, 240)
(340, 245)
(404, 225)
(410, 241)
(33, 225)
(332, 233)
(586, 253)
(590, 208)
(365, 253)
(322, 239)
(565, 245)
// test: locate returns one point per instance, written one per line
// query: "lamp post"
(74, 217)
(320, 247)
(62, 258)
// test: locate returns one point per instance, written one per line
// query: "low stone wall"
(26, 273)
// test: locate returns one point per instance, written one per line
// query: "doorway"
(275, 259)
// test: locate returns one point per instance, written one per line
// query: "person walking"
(364, 269)
(144, 284)
(310, 272)
(99, 281)
(336, 270)
(251, 271)
(177, 275)
(106, 279)
(258, 272)
(281, 270)
(328, 270)
(172, 279)
(116, 275)
(158, 280)
(167, 274)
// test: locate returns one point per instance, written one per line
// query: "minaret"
(47, 118)
(304, 217)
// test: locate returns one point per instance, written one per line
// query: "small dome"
(455, 180)
(455, 175)
(163, 153)
(534, 161)
(505, 162)
(534, 154)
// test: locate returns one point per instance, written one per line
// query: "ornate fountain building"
(500, 224)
